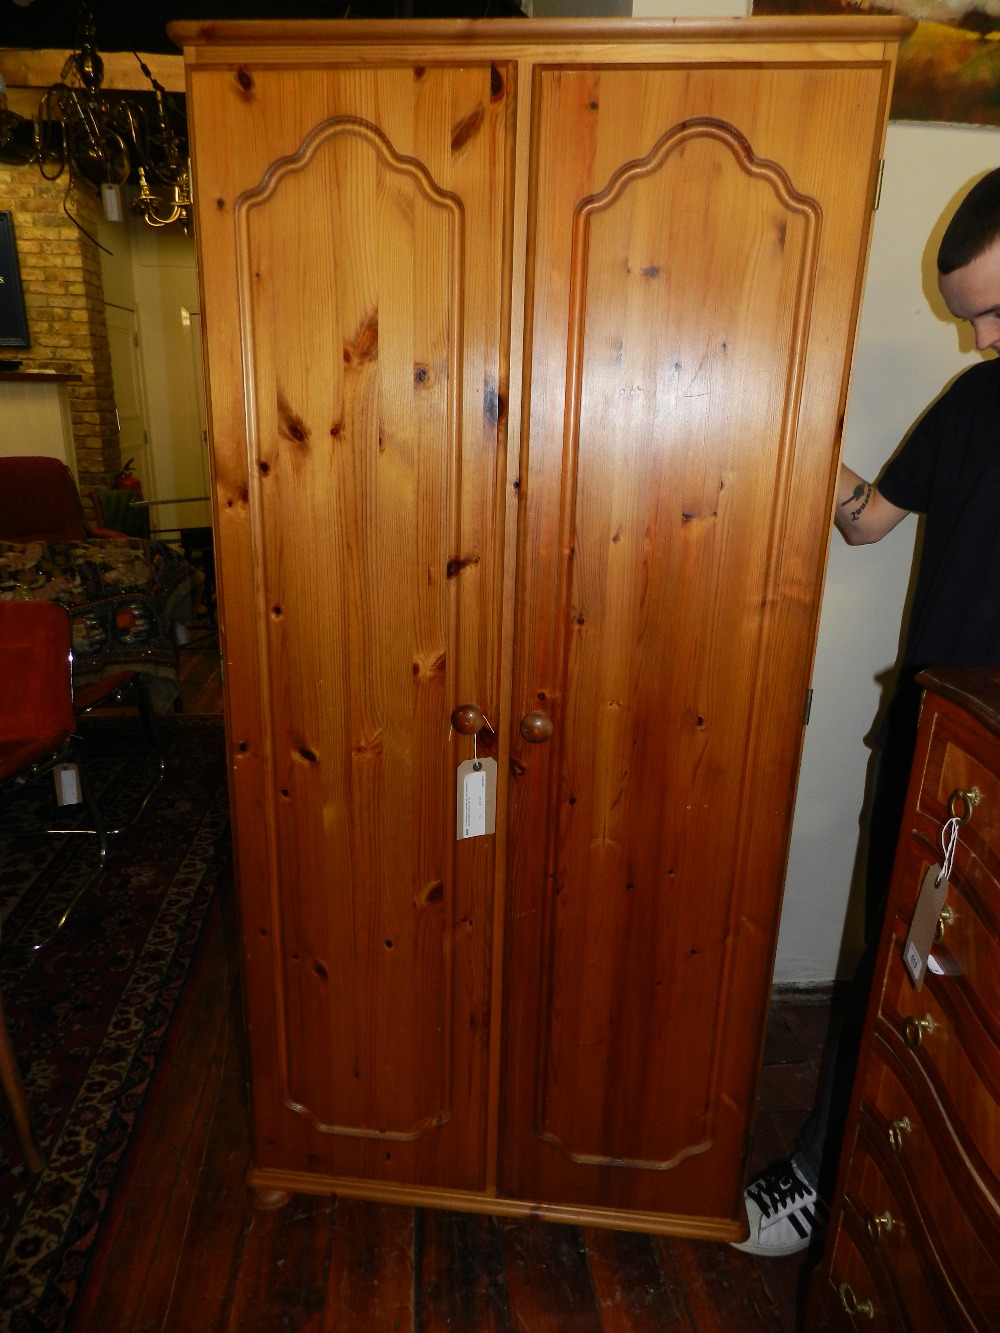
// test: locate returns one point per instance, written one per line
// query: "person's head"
(974, 227)
(969, 261)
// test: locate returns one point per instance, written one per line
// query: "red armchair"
(39, 711)
(39, 502)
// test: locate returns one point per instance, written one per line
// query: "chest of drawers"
(914, 1240)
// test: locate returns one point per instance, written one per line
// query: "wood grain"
(392, 241)
(635, 1294)
(386, 1267)
(370, 1273)
(284, 1259)
(723, 1289)
(460, 1278)
(675, 486)
(181, 1171)
(548, 1283)
(914, 1227)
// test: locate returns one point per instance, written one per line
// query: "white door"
(197, 470)
(126, 372)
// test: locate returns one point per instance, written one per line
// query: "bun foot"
(267, 1200)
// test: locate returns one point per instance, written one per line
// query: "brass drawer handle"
(897, 1128)
(914, 1029)
(876, 1223)
(945, 918)
(968, 799)
(851, 1303)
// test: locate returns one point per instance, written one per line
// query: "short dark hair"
(974, 227)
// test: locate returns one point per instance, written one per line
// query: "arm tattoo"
(861, 492)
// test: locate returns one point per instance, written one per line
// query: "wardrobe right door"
(698, 242)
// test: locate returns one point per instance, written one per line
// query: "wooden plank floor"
(190, 1253)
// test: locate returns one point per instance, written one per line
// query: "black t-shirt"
(949, 469)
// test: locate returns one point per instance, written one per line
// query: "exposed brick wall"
(64, 300)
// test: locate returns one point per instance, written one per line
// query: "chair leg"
(13, 1090)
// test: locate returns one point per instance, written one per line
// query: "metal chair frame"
(119, 691)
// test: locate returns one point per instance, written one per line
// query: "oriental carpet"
(91, 1013)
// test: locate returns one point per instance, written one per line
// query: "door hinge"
(807, 712)
(878, 184)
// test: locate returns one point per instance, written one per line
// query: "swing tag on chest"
(477, 798)
(923, 927)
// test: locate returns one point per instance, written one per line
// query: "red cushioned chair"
(39, 711)
(36, 723)
(38, 715)
(39, 502)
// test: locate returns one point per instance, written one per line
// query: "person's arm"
(863, 514)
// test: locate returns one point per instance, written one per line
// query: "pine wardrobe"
(528, 348)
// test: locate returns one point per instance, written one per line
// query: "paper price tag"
(477, 798)
(920, 939)
(67, 779)
(474, 805)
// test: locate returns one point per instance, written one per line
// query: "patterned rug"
(90, 1013)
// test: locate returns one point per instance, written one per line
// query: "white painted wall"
(35, 419)
(561, 9)
(640, 9)
(696, 9)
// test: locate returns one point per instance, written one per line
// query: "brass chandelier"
(102, 139)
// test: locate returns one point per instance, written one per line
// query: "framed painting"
(13, 318)
(948, 69)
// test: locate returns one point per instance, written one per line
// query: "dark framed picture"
(13, 319)
(948, 69)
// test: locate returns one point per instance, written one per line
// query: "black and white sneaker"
(784, 1212)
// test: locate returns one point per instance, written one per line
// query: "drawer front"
(860, 1293)
(960, 761)
(916, 1231)
(948, 1040)
(925, 1215)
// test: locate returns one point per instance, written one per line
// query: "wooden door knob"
(468, 719)
(536, 727)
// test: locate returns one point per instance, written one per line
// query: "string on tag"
(949, 841)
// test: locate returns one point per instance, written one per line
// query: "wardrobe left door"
(351, 224)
